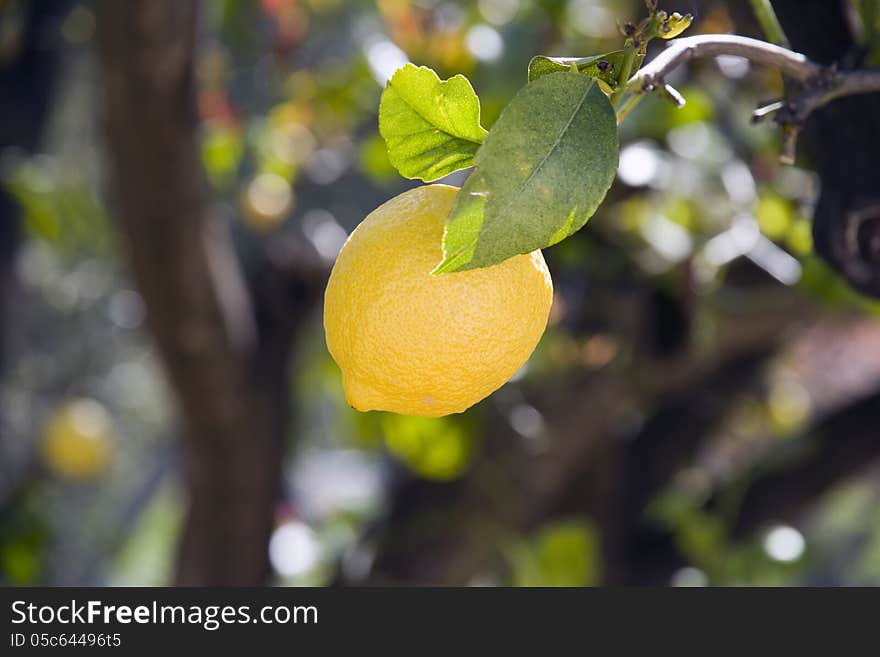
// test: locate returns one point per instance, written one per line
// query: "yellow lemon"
(420, 344)
(76, 442)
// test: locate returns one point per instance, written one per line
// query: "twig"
(819, 84)
(627, 106)
(680, 51)
(625, 71)
(763, 112)
(835, 85)
(788, 149)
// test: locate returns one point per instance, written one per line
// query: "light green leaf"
(604, 67)
(541, 173)
(431, 127)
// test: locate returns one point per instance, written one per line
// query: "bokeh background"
(702, 410)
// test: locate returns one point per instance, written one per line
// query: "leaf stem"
(769, 23)
(628, 106)
(626, 70)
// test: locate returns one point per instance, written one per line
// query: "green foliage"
(656, 116)
(222, 151)
(23, 540)
(562, 553)
(704, 538)
(774, 215)
(58, 207)
(605, 67)
(432, 127)
(146, 557)
(541, 173)
(373, 160)
(826, 285)
(545, 166)
(433, 448)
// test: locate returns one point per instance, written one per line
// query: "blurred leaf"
(702, 537)
(23, 539)
(433, 448)
(800, 237)
(604, 67)
(146, 557)
(699, 108)
(788, 407)
(774, 215)
(221, 152)
(826, 284)
(655, 116)
(373, 160)
(563, 553)
(699, 535)
(275, 151)
(58, 207)
(541, 173)
(682, 211)
(432, 127)
(20, 563)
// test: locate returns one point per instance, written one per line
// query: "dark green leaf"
(541, 173)
(431, 127)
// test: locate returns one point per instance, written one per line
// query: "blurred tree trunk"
(226, 356)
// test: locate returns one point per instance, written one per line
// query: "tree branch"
(836, 85)
(821, 84)
(681, 51)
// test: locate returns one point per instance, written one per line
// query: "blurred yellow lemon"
(77, 441)
(420, 344)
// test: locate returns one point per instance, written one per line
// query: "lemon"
(420, 344)
(76, 441)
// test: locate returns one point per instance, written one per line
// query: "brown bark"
(199, 308)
